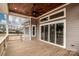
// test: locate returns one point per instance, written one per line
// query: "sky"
(2, 18)
(15, 21)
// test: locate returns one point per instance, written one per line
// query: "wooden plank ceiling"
(32, 9)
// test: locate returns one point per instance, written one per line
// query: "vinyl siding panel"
(72, 27)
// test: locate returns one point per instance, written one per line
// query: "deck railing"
(3, 45)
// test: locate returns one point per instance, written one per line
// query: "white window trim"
(32, 30)
(64, 9)
(43, 18)
(64, 20)
(58, 17)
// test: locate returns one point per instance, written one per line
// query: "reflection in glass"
(42, 32)
(57, 15)
(56, 34)
(46, 32)
(52, 33)
(59, 33)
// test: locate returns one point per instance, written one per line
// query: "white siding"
(72, 27)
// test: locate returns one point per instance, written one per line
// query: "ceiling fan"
(34, 11)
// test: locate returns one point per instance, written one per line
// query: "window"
(54, 16)
(59, 33)
(44, 19)
(44, 32)
(54, 32)
(57, 15)
(33, 30)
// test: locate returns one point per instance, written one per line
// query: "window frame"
(34, 30)
(64, 10)
(64, 16)
(64, 36)
(43, 18)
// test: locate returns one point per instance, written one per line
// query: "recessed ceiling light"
(15, 8)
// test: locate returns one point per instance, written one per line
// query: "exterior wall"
(35, 22)
(72, 27)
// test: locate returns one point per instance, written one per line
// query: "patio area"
(35, 48)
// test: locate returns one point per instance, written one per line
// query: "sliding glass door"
(54, 31)
(44, 32)
(59, 33)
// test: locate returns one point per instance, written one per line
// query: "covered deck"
(35, 48)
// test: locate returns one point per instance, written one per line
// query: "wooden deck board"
(35, 48)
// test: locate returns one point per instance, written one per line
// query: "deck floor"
(35, 48)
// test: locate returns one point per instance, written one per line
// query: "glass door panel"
(55, 33)
(42, 33)
(52, 33)
(46, 32)
(59, 33)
